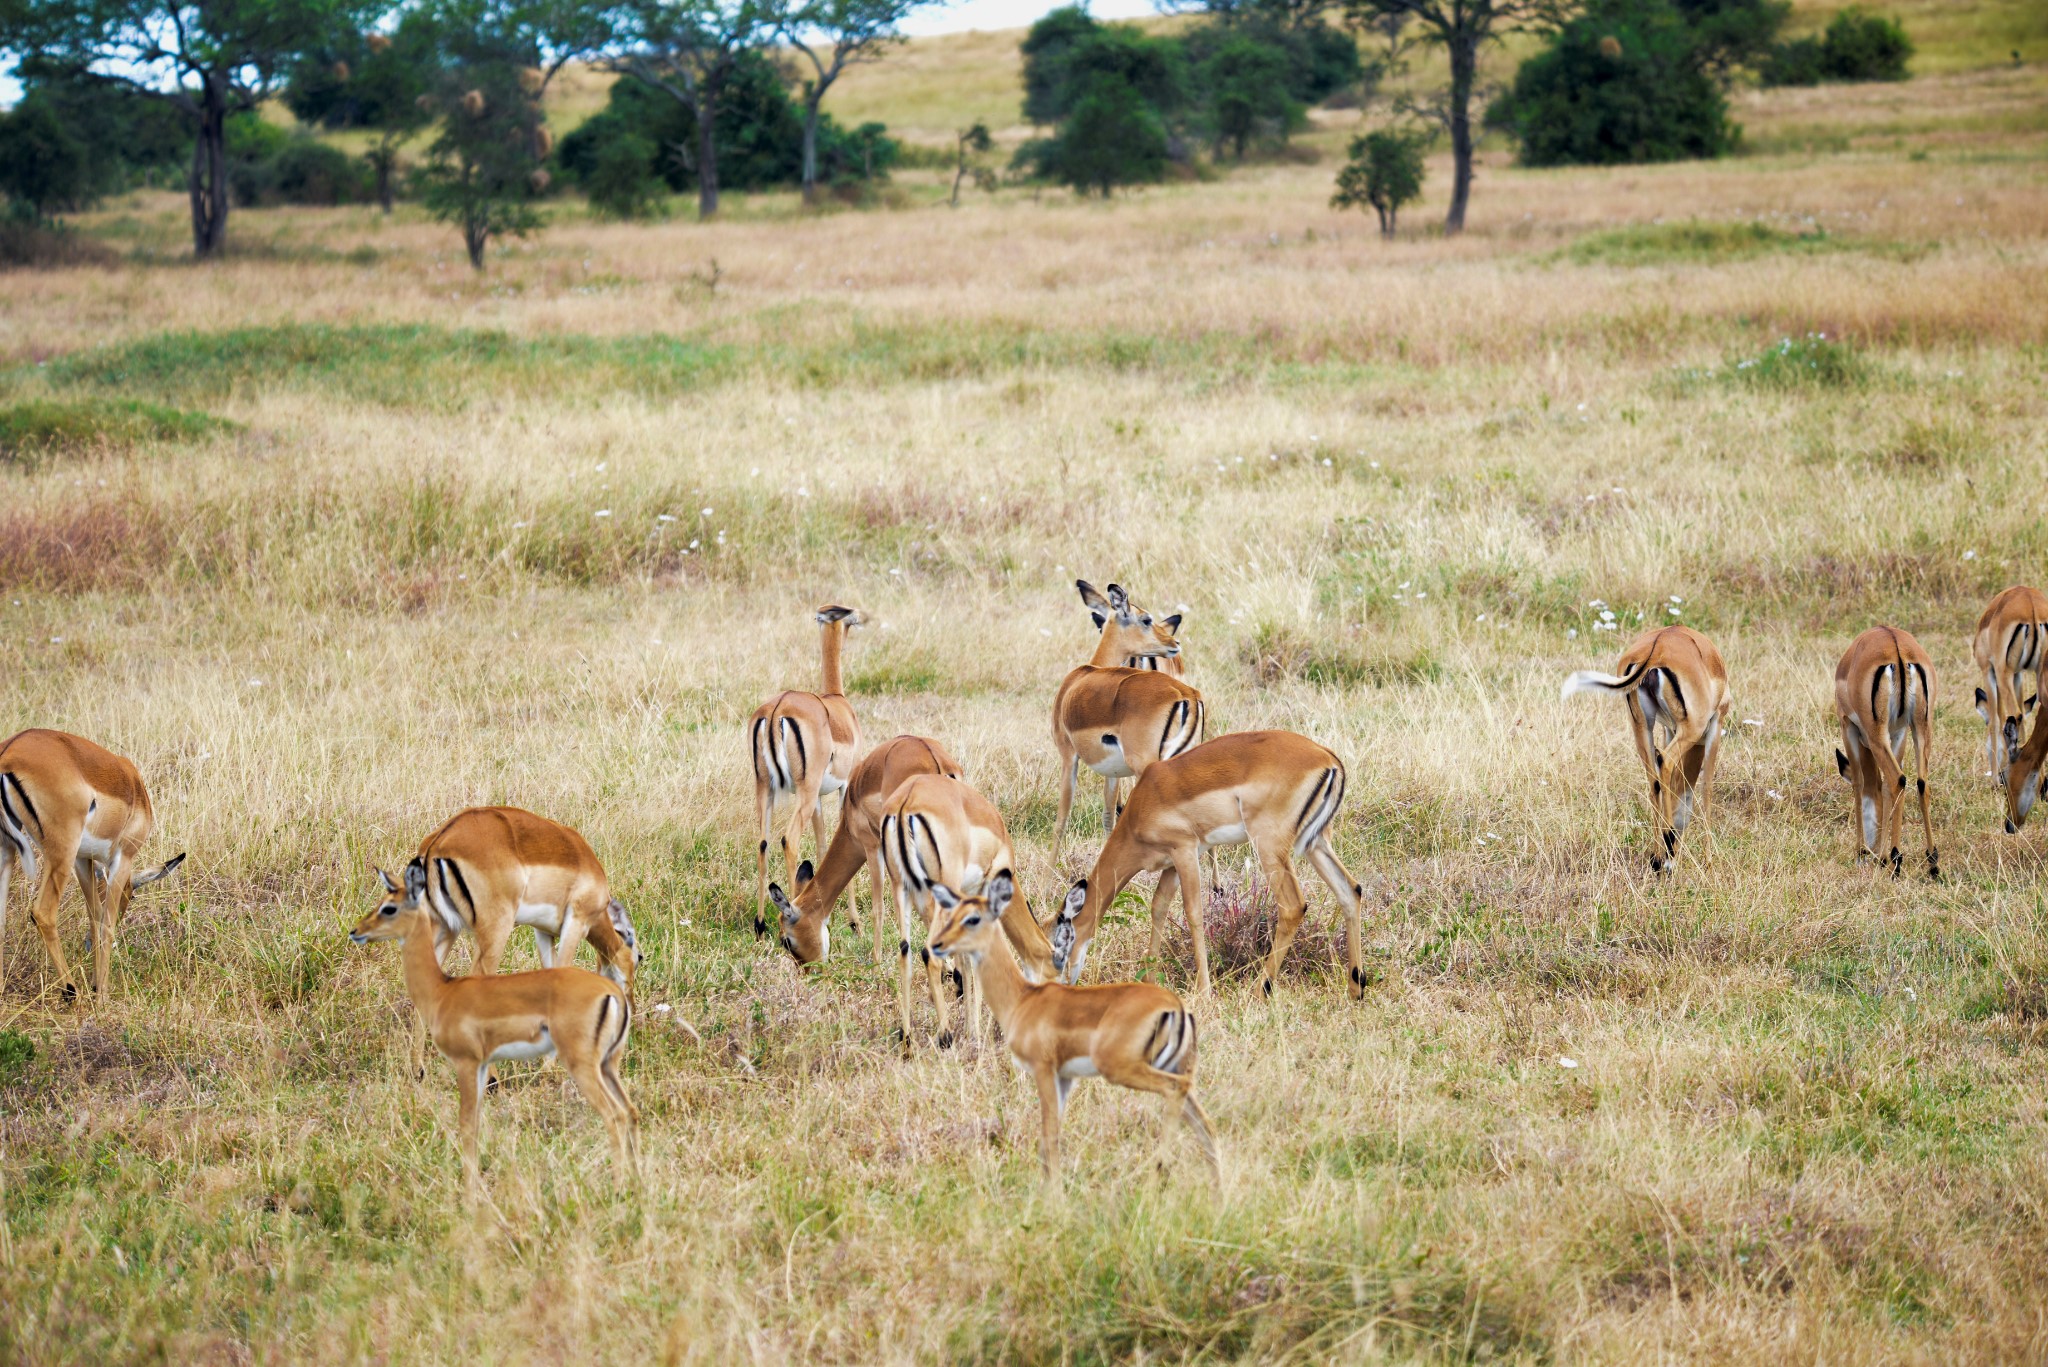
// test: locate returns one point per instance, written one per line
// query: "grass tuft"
(1695, 242)
(35, 428)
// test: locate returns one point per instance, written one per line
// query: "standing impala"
(2011, 640)
(1137, 1035)
(858, 841)
(78, 810)
(1114, 719)
(1275, 789)
(474, 1020)
(488, 870)
(1165, 629)
(1884, 688)
(1676, 684)
(803, 745)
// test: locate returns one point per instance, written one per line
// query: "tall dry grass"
(1802, 1119)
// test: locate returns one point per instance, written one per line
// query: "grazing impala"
(936, 828)
(2011, 640)
(1275, 789)
(78, 810)
(1884, 687)
(857, 842)
(1137, 1035)
(1117, 720)
(2024, 780)
(1675, 683)
(1166, 629)
(803, 746)
(474, 1020)
(488, 870)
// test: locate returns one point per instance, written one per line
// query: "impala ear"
(1172, 623)
(390, 884)
(2012, 739)
(2028, 705)
(831, 613)
(163, 870)
(415, 880)
(1120, 602)
(804, 874)
(1000, 891)
(945, 896)
(1077, 897)
(1841, 764)
(1097, 605)
(621, 922)
(782, 904)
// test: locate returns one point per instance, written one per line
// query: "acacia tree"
(833, 35)
(380, 82)
(688, 50)
(208, 59)
(1461, 28)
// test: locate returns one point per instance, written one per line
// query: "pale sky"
(993, 14)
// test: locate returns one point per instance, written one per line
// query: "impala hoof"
(1266, 986)
(760, 927)
(2011, 829)
(1656, 864)
(490, 1084)
(945, 1040)
(70, 993)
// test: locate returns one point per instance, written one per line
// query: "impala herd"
(908, 815)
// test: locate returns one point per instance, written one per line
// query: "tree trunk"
(707, 151)
(1464, 52)
(209, 179)
(386, 163)
(812, 98)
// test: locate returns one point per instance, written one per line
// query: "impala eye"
(388, 909)
(972, 921)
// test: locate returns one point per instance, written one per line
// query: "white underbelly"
(520, 1050)
(1113, 765)
(540, 915)
(832, 783)
(94, 848)
(1227, 835)
(1079, 1067)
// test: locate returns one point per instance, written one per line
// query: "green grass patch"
(1814, 361)
(35, 428)
(1694, 242)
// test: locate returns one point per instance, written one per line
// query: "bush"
(1245, 82)
(1111, 137)
(1385, 172)
(619, 177)
(42, 246)
(39, 427)
(43, 168)
(1857, 46)
(1623, 83)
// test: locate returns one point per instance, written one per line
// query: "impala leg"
(793, 834)
(1703, 790)
(44, 909)
(1349, 896)
(1069, 763)
(1922, 726)
(1162, 902)
(903, 957)
(544, 946)
(764, 805)
(1194, 900)
(1176, 1088)
(1288, 905)
(96, 916)
(1673, 790)
(935, 980)
(1108, 806)
(6, 878)
(878, 880)
(1891, 792)
(1862, 775)
(470, 1079)
(611, 1107)
(1639, 731)
(1052, 1103)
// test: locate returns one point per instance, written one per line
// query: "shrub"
(1625, 82)
(41, 246)
(1857, 46)
(38, 426)
(17, 1051)
(43, 168)
(1112, 137)
(1385, 172)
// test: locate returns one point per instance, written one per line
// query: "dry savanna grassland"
(334, 537)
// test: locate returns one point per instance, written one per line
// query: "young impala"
(1884, 688)
(803, 745)
(2011, 640)
(1165, 629)
(2024, 780)
(1117, 720)
(1275, 789)
(1137, 1035)
(1676, 684)
(473, 1020)
(857, 842)
(76, 809)
(488, 870)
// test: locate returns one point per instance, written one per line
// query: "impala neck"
(1027, 939)
(830, 647)
(424, 978)
(1120, 862)
(842, 860)
(1108, 650)
(1002, 981)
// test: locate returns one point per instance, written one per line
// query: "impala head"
(807, 938)
(399, 909)
(142, 880)
(1133, 630)
(832, 617)
(2024, 781)
(965, 923)
(624, 961)
(2014, 716)
(1069, 947)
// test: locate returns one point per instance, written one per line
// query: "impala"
(803, 746)
(857, 842)
(1884, 688)
(80, 810)
(1117, 720)
(2011, 640)
(1165, 629)
(488, 870)
(1137, 1035)
(1275, 789)
(474, 1020)
(1675, 684)
(2024, 780)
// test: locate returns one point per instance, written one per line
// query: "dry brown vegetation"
(1803, 1119)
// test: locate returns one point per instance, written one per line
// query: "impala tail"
(1593, 681)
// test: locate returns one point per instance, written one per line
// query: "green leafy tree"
(1629, 81)
(484, 171)
(1046, 47)
(1462, 28)
(832, 35)
(1111, 137)
(1384, 173)
(208, 59)
(689, 51)
(43, 168)
(380, 82)
(971, 144)
(1246, 82)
